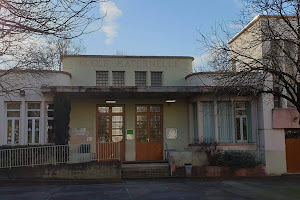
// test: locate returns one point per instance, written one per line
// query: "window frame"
(34, 120)
(153, 83)
(13, 119)
(102, 80)
(114, 80)
(140, 82)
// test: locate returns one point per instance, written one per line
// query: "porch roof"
(172, 91)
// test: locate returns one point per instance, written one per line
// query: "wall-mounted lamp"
(170, 101)
(110, 101)
(22, 93)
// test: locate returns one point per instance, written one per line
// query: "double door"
(110, 128)
(149, 132)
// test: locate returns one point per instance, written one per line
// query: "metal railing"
(56, 154)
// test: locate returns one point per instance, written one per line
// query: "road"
(272, 188)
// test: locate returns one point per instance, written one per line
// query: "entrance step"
(145, 170)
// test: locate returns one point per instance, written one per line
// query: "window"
(33, 123)
(241, 122)
(233, 120)
(208, 122)
(13, 122)
(102, 78)
(140, 78)
(156, 78)
(195, 116)
(118, 78)
(50, 122)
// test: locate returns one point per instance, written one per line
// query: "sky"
(157, 27)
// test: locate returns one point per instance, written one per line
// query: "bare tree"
(47, 53)
(23, 22)
(265, 55)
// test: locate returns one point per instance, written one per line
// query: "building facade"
(147, 103)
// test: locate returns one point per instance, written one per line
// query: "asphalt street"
(212, 189)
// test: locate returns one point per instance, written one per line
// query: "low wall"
(218, 171)
(92, 170)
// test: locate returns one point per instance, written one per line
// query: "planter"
(214, 171)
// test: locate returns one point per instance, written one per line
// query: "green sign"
(129, 132)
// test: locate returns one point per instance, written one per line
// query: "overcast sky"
(157, 27)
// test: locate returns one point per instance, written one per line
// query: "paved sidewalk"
(272, 188)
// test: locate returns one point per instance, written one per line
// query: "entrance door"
(110, 128)
(149, 132)
(292, 154)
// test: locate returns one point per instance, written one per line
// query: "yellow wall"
(83, 68)
(83, 115)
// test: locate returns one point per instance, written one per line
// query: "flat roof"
(125, 56)
(35, 71)
(146, 90)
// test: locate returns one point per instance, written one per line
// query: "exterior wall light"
(22, 93)
(110, 101)
(171, 101)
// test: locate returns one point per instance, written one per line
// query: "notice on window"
(171, 133)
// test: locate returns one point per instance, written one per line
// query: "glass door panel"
(110, 123)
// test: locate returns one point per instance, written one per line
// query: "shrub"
(62, 109)
(238, 159)
(212, 152)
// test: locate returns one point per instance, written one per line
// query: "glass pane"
(117, 109)
(141, 131)
(16, 131)
(155, 132)
(117, 138)
(103, 109)
(142, 138)
(50, 114)
(141, 125)
(103, 139)
(155, 118)
(15, 106)
(103, 132)
(155, 124)
(103, 119)
(9, 131)
(33, 114)
(154, 109)
(13, 113)
(141, 108)
(245, 128)
(36, 131)
(238, 129)
(240, 112)
(117, 125)
(50, 106)
(141, 118)
(117, 118)
(155, 138)
(50, 130)
(33, 105)
(29, 131)
(103, 125)
(117, 131)
(240, 105)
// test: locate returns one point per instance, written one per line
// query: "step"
(145, 170)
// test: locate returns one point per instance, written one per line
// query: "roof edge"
(36, 71)
(119, 56)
